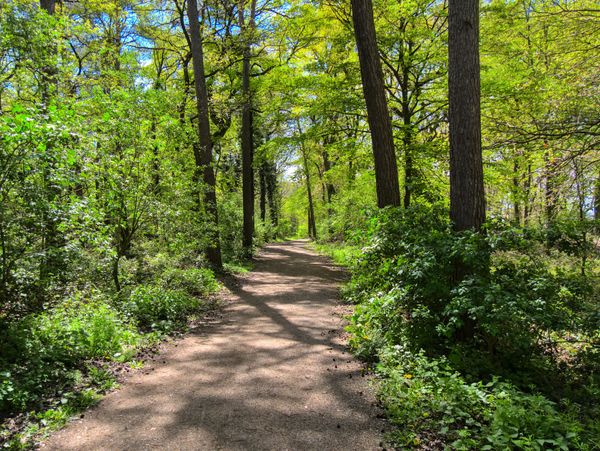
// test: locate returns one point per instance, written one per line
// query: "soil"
(272, 373)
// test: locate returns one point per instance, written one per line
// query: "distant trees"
(413, 52)
(137, 139)
(540, 102)
(122, 136)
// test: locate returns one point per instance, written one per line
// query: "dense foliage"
(51, 359)
(108, 221)
(519, 310)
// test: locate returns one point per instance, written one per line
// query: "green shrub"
(432, 403)
(194, 281)
(84, 331)
(68, 334)
(159, 309)
(503, 304)
(341, 254)
(230, 226)
(43, 352)
(449, 315)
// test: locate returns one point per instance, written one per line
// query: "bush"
(504, 303)
(158, 309)
(450, 317)
(432, 404)
(40, 353)
(341, 254)
(194, 281)
(230, 227)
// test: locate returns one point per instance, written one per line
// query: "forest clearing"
(300, 224)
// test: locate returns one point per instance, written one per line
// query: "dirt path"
(273, 374)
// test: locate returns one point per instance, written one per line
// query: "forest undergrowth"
(503, 355)
(56, 363)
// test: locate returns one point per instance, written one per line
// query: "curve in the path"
(273, 374)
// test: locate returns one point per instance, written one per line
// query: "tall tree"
(247, 131)
(312, 224)
(467, 195)
(52, 261)
(380, 124)
(271, 187)
(203, 150)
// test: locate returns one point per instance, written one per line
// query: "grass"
(238, 267)
(342, 254)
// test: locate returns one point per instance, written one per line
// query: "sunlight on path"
(273, 374)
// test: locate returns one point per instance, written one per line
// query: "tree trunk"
(185, 63)
(330, 189)
(407, 138)
(49, 72)
(527, 196)
(326, 168)
(53, 243)
(312, 225)
(155, 157)
(467, 195)
(203, 152)
(408, 158)
(579, 189)
(262, 174)
(271, 178)
(247, 130)
(48, 5)
(380, 124)
(551, 188)
(597, 200)
(516, 188)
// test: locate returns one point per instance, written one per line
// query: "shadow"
(272, 374)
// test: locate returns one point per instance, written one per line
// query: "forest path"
(271, 374)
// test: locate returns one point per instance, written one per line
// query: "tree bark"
(579, 189)
(550, 188)
(247, 130)
(330, 189)
(203, 151)
(527, 195)
(271, 178)
(326, 168)
(407, 136)
(408, 157)
(48, 5)
(49, 72)
(467, 194)
(155, 157)
(262, 174)
(380, 124)
(597, 200)
(312, 224)
(516, 194)
(53, 242)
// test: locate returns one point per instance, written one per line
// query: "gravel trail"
(271, 374)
